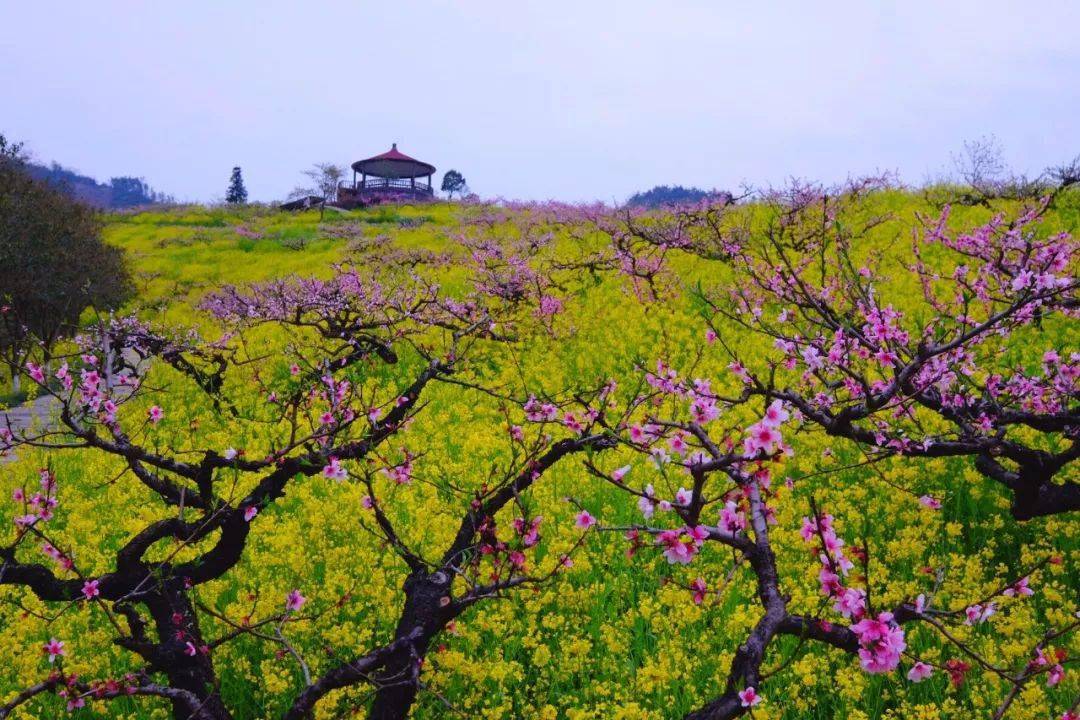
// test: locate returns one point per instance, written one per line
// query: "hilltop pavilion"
(392, 174)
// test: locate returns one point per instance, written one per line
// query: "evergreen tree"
(237, 194)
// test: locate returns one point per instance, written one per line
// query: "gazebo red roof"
(393, 164)
(392, 154)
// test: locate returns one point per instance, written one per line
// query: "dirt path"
(29, 414)
(41, 413)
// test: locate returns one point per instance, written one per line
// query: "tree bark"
(427, 611)
(177, 624)
(1045, 498)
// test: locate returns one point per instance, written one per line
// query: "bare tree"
(1066, 174)
(981, 164)
(324, 178)
(985, 176)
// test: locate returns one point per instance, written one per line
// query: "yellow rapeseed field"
(610, 637)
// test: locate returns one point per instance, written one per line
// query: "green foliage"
(662, 195)
(53, 262)
(237, 193)
(453, 182)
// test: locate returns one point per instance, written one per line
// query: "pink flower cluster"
(334, 470)
(699, 588)
(648, 503)
(849, 602)
(501, 272)
(732, 520)
(584, 520)
(549, 305)
(680, 546)
(920, 671)
(294, 601)
(528, 530)
(1019, 588)
(402, 472)
(881, 641)
(1052, 660)
(39, 506)
(578, 425)
(61, 559)
(54, 649)
(977, 614)
(93, 392)
(763, 438)
(536, 411)
(748, 698)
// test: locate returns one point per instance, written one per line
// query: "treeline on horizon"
(119, 193)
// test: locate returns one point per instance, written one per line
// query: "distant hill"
(120, 192)
(673, 195)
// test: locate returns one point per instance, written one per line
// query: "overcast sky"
(568, 100)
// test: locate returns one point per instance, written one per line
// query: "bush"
(53, 263)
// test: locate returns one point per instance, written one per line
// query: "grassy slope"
(611, 640)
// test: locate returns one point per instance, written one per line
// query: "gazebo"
(391, 174)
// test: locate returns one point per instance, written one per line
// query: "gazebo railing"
(393, 184)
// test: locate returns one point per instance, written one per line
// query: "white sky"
(568, 100)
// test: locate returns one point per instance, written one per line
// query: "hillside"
(118, 193)
(543, 301)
